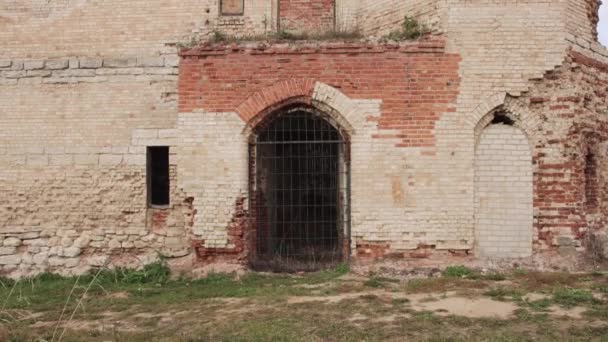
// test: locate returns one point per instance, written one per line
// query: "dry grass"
(148, 306)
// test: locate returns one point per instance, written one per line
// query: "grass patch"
(149, 305)
(504, 294)
(534, 280)
(218, 37)
(152, 286)
(569, 297)
(400, 301)
(599, 311)
(495, 276)
(459, 272)
(442, 284)
(379, 282)
(540, 304)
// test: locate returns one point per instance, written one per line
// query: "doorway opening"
(300, 192)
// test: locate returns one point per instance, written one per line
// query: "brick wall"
(416, 82)
(307, 15)
(582, 18)
(503, 193)
(81, 96)
(116, 28)
(567, 124)
(379, 17)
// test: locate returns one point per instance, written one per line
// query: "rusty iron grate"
(301, 193)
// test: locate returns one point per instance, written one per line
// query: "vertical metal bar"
(306, 188)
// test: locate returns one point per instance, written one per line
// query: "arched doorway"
(300, 174)
(503, 191)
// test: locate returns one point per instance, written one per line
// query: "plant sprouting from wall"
(410, 29)
(218, 37)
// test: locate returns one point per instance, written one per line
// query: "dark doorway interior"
(300, 192)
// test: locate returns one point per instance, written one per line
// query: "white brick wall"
(212, 168)
(503, 193)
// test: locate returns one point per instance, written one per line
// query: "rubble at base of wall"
(24, 253)
(409, 268)
(29, 253)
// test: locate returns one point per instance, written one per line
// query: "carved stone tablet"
(232, 7)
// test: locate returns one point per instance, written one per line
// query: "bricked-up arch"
(299, 190)
(306, 15)
(503, 189)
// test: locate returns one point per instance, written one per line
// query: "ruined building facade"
(124, 136)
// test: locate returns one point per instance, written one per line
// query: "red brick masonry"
(416, 82)
(306, 15)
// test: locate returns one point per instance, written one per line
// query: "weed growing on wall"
(410, 29)
(218, 37)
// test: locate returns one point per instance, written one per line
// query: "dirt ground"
(337, 305)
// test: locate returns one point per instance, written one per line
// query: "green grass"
(458, 272)
(569, 297)
(540, 304)
(218, 37)
(410, 29)
(150, 305)
(504, 293)
(379, 282)
(495, 276)
(152, 285)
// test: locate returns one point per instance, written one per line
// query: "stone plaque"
(232, 7)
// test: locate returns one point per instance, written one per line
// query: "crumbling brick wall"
(82, 96)
(582, 19)
(568, 135)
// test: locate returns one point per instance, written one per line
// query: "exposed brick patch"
(570, 183)
(417, 82)
(580, 58)
(236, 249)
(591, 182)
(306, 15)
(422, 252)
(371, 250)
